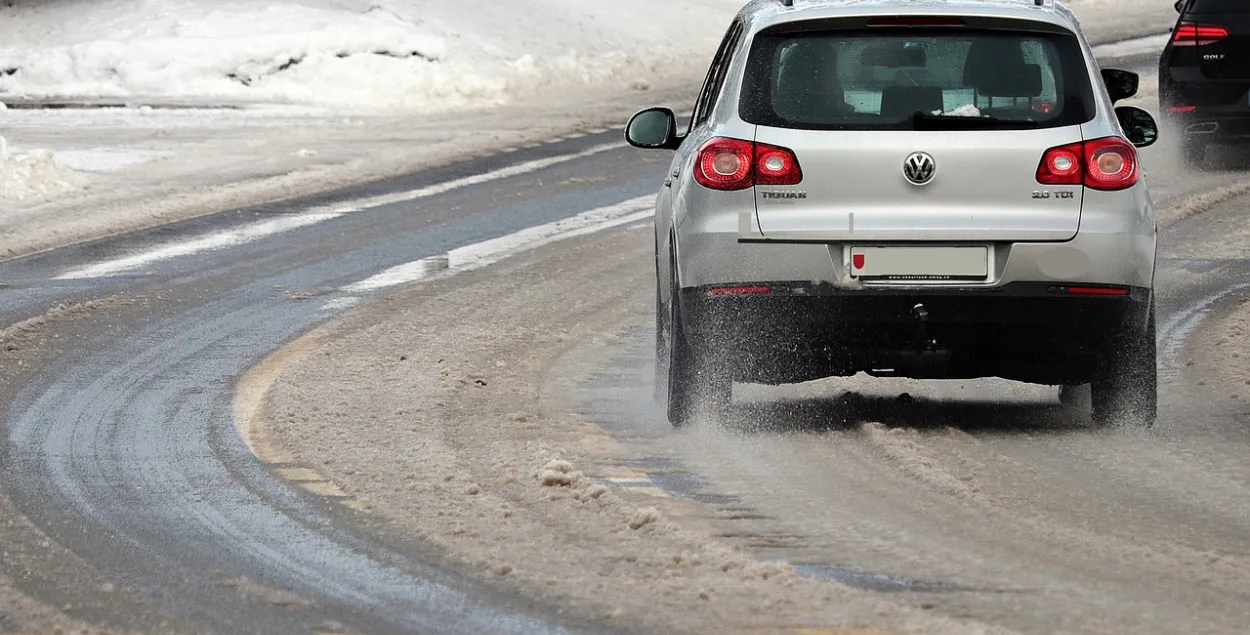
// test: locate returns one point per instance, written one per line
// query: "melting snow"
(33, 176)
(966, 110)
(422, 55)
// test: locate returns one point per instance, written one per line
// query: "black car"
(1204, 74)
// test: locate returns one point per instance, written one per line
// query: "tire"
(1075, 396)
(1194, 152)
(1127, 388)
(696, 386)
(662, 336)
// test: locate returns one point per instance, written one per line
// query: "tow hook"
(921, 341)
(921, 313)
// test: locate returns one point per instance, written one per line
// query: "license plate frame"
(920, 264)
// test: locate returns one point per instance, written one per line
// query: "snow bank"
(33, 176)
(421, 55)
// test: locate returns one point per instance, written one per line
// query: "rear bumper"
(1212, 124)
(1034, 332)
(1115, 246)
(1214, 110)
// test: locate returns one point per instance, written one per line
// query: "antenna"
(790, 3)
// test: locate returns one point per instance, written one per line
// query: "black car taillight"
(1193, 34)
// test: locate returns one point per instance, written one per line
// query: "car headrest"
(807, 86)
(1023, 80)
(996, 68)
(899, 102)
(987, 56)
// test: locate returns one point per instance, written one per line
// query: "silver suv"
(915, 189)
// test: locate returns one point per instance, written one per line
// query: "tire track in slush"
(964, 505)
(135, 435)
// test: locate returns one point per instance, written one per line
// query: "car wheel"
(1194, 152)
(1075, 396)
(662, 338)
(696, 386)
(1126, 389)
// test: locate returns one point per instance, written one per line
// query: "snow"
(410, 55)
(287, 97)
(966, 110)
(32, 175)
(366, 55)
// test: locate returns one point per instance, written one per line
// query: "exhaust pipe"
(1207, 127)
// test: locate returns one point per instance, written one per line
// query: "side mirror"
(1138, 125)
(653, 128)
(1179, 6)
(1120, 84)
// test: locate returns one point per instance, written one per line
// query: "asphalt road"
(119, 442)
(985, 499)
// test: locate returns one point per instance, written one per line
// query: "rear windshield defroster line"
(862, 78)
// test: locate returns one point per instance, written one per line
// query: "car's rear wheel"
(697, 386)
(1126, 389)
(662, 337)
(1194, 152)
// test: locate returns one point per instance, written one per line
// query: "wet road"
(986, 499)
(120, 442)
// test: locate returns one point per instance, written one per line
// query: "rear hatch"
(1222, 34)
(979, 103)
(1210, 54)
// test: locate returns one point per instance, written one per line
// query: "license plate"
(920, 263)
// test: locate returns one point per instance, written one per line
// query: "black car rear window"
(1219, 6)
(859, 80)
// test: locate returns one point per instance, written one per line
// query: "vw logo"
(919, 168)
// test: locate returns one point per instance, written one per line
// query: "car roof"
(761, 14)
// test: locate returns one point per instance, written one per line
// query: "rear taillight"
(776, 166)
(1191, 34)
(725, 164)
(1062, 166)
(1109, 163)
(1182, 108)
(734, 164)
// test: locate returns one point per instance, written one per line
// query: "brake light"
(725, 164)
(1109, 163)
(1182, 108)
(1112, 164)
(1191, 34)
(916, 20)
(733, 164)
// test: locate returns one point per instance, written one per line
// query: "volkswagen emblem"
(919, 168)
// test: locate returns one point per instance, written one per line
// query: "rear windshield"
(1219, 6)
(852, 80)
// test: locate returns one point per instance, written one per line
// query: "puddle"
(871, 581)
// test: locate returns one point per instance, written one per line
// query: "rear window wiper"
(928, 121)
